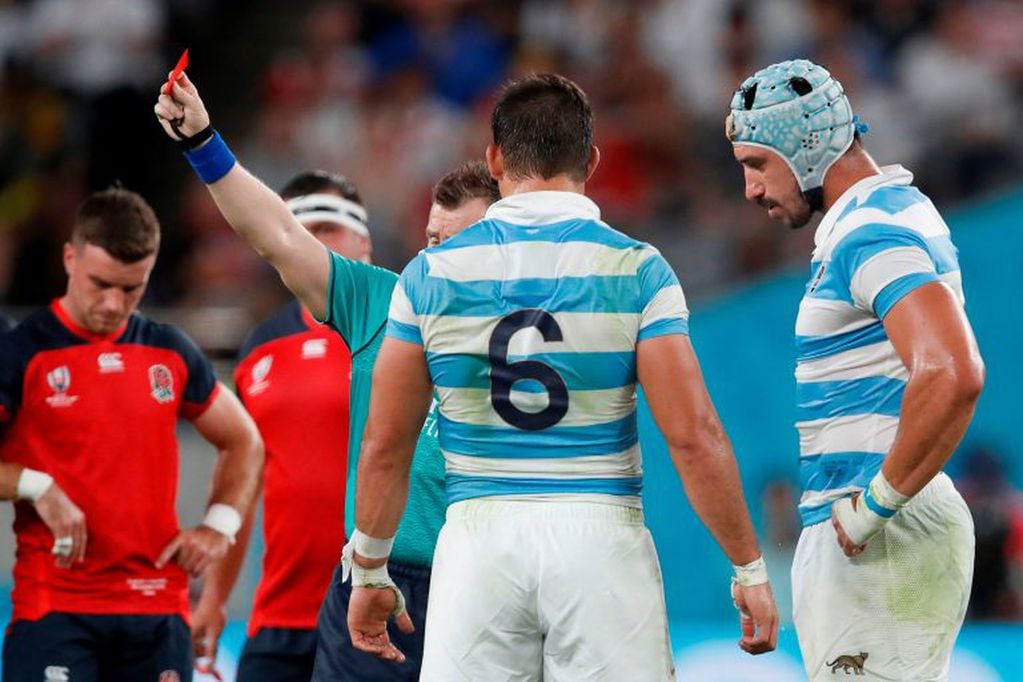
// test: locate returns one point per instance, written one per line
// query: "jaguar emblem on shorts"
(162, 383)
(848, 663)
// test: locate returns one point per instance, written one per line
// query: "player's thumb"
(169, 551)
(404, 623)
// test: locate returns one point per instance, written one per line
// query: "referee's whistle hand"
(195, 549)
(758, 618)
(368, 612)
(67, 523)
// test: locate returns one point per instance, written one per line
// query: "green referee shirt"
(358, 299)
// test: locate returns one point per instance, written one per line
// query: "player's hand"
(67, 523)
(182, 106)
(369, 609)
(854, 524)
(758, 617)
(208, 621)
(195, 549)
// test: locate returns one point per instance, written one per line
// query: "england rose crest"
(161, 381)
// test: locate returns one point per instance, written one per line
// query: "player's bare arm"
(399, 404)
(210, 615)
(253, 209)
(236, 474)
(62, 516)
(670, 375)
(932, 336)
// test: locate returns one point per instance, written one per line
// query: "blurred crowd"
(394, 93)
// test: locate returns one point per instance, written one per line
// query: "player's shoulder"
(143, 331)
(286, 321)
(39, 331)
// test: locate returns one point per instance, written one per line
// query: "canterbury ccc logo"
(161, 381)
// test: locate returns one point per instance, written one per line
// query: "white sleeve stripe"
(401, 307)
(883, 268)
(668, 303)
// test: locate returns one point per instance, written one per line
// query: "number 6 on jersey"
(504, 374)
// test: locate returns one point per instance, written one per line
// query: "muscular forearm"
(711, 480)
(383, 484)
(236, 475)
(937, 406)
(256, 213)
(9, 475)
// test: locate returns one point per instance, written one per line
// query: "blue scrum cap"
(796, 109)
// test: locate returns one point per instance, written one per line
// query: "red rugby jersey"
(293, 377)
(98, 413)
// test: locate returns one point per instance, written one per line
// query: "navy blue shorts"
(98, 648)
(278, 655)
(336, 658)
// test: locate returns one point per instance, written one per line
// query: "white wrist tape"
(370, 547)
(753, 573)
(863, 516)
(378, 577)
(224, 519)
(33, 484)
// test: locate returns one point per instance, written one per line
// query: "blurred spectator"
(997, 509)
(393, 93)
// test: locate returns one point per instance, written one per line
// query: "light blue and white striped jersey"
(881, 240)
(530, 320)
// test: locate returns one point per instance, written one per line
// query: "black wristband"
(187, 144)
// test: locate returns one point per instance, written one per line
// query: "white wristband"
(753, 573)
(33, 484)
(371, 548)
(224, 519)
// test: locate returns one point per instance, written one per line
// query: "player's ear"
(593, 161)
(495, 161)
(69, 257)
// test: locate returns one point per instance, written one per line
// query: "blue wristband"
(212, 161)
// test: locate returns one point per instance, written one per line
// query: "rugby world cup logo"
(59, 379)
(161, 381)
(259, 372)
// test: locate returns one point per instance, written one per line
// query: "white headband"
(329, 208)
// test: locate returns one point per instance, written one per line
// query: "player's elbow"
(696, 438)
(959, 380)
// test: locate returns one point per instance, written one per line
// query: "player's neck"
(559, 183)
(854, 166)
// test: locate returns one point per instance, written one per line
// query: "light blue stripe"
(655, 274)
(497, 298)
(403, 332)
(838, 470)
(866, 242)
(870, 395)
(494, 232)
(810, 515)
(555, 442)
(580, 371)
(899, 289)
(461, 487)
(893, 199)
(813, 347)
(671, 325)
(877, 507)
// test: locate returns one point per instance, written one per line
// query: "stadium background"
(394, 93)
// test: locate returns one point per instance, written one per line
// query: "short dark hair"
(120, 222)
(320, 181)
(543, 125)
(471, 180)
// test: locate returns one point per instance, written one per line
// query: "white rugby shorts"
(894, 611)
(541, 590)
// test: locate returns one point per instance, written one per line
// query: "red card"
(176, 74)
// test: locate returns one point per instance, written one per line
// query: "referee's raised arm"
(253, 210)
